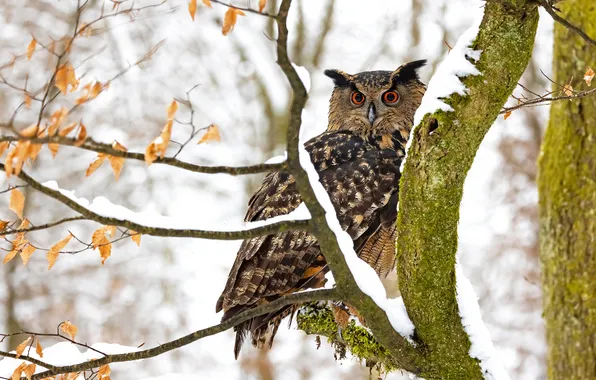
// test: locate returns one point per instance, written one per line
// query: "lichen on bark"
(567, 199)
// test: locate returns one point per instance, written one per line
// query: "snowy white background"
(169, 287)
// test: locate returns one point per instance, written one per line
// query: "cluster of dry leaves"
(28, 370)
(230, 16)
(20, 245)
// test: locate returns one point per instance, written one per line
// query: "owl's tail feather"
(262, 329)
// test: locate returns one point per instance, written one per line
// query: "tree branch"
(403, 352)
(553, 13)
(98, 147)
(315, 295)
(158, 231)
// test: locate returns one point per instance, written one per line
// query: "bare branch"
(315, 295)
(543, 100)
(158, 231)
(249, 10)
(43, 226)
(546, 4)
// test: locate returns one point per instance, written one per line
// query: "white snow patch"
(446, 80)
(63, 353)
(304, 76)
(104, 207)
(277, 159)
(365, 276)
(481, 344)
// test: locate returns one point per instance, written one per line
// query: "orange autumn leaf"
(105, 249)
(26, 253)
(65, 76)
(39, 349)
(53, 253)
(207, 3)
(117, 162)
(98, 236)
(82, 135)
(172, 108)
(588, 76)
(160, 144)
(507, 114)
(21, 347)
(56, 120)
(136, 237)
(27, 100)
(3, 225)
(31, 49)
(103, 373)
(16, 375)
(66, 130)
(69, 329)
(91, 91)
(53, 147)
(262, 4)
(230, 20)
(10, 255)
(568, 90)
(212, 134)
(17, 202)
(29, 370)
(30, 131)
(192, 8)
(111, 230)
(3, 146)
(95, 164)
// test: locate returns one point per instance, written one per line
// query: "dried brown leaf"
(16, 375)
(31, 49)
(29, 370)
(69, 329)
(230, 19)
(10, 255)
(53, 253)
(21, 347)
(212, 134)
(192, 8)
(568, 90)
(66, 130)
(136, 237)
(53, 147)
(17, 202)
(105, 249)
(82, 135)
(103, 373)
(588, 76)
(65, 76)
(27, 100)
(98, 236)
(207, 3)
(39, 349)
(262, 5)
(3, 146)
(95, 164)
(172, 108)
(117, 163)
(56, 120)
(506, 115)
(26, 253)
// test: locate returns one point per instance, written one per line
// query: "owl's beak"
(372, 113)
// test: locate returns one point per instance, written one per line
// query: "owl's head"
(376, 102)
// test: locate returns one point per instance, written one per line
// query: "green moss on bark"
(567, 196)
(431, 187)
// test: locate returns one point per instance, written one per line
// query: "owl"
(358, 159)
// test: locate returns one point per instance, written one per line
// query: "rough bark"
(567, 196)
(442, 152)
(430, 195)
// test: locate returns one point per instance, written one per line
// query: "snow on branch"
(481, 344)
(105, 212)
(365, 276)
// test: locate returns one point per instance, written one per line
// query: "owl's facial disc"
(372, 114)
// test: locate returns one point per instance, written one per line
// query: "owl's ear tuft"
(407, 71)
(340, 78)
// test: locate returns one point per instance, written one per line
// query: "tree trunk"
(567, 193)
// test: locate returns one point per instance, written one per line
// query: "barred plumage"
(358, 161)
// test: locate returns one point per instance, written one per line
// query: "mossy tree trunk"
(567, 195)
(443, 149)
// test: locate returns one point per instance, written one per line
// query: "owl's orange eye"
(357, 98)
(390, 97)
